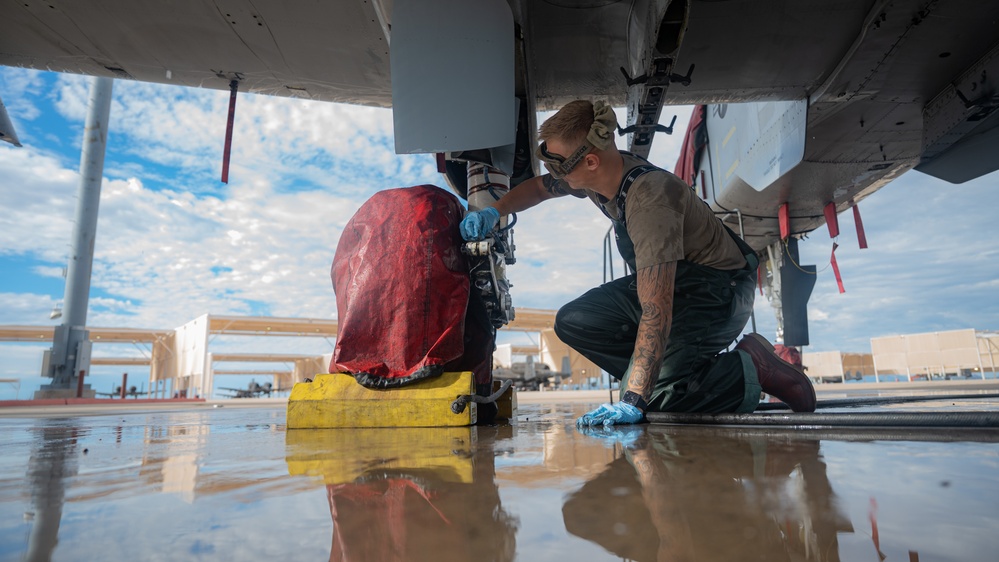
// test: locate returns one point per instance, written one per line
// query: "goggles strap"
(562, 166)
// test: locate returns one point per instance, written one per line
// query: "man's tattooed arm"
(558, 188)
(655, 293)
(552, 185)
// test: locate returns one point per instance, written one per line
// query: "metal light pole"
(69, 358)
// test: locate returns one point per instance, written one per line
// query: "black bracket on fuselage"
(653, 86)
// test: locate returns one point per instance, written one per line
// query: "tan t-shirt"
(667, 222)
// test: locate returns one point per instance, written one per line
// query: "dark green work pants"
(710, 309)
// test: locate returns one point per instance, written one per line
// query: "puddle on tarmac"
(234, 485)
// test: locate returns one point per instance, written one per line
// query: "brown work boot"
(778, 377)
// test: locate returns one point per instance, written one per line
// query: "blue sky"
(174, 243)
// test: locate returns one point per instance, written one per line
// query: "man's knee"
(566, 322)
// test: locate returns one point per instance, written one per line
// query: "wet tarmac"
(233, 484)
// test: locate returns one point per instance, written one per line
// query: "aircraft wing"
(330, 51)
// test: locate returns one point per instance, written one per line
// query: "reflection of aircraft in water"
(693, 495)
(132, 391)
(408, 494)
(253, 390)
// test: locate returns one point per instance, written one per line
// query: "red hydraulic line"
(79, 385)
(233, 86)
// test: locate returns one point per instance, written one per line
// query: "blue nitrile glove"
(625, 436)
(477, 224)
(611, 414)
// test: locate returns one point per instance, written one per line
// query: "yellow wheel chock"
(337, 400)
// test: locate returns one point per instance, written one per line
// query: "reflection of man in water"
(679, 496)
(418, 515)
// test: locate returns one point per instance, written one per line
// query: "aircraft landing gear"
(788, 286)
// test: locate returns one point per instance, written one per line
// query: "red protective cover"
(402, 290)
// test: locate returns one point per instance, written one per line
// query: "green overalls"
(710, 309)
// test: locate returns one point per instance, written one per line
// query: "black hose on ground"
(790, 435)
(838, 419)
(874, 401)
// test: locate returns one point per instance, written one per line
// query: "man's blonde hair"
(570, 125)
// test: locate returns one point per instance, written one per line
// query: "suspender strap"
(629, 179)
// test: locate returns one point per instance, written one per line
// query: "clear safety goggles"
(561, 166)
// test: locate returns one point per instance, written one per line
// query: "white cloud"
(20, 360)
(49, 271)
(818, 314)
(38, 197)
(20, 86)
(26, 308)
(71, 93)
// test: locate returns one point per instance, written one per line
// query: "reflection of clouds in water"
(916, 510)
(715, 497)
(519, 459)
(707, 494)
(120, 503)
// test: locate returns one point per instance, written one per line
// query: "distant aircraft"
(528, 375)
(132, 391)
(253, 390)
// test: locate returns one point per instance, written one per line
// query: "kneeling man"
(663, 330)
